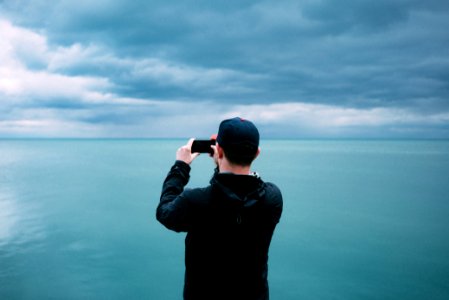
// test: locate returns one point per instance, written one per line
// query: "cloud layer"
(297, 68)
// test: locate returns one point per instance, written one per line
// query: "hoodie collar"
(239, 188)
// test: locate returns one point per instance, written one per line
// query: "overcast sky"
(304, 68)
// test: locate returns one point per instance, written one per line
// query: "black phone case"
(202, 146)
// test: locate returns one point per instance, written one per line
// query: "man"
(229, 223)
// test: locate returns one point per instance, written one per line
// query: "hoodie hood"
(242, 189)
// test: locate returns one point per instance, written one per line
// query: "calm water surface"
(362, 219)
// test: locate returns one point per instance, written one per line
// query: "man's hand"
(185, 153)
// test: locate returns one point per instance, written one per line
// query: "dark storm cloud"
(320, 51)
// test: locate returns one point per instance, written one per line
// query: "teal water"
(362, 219)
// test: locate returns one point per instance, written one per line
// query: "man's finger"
(190, 142)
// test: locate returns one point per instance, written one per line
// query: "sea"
(362, 219)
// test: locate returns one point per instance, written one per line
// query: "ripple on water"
(20, 225)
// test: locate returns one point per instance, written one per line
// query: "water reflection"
(20, 224)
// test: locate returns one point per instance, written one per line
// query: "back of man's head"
(239, 139)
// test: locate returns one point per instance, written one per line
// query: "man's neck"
(225, 166)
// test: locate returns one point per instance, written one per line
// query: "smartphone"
(203, 146)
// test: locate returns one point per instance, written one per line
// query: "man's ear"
(258, 152)
(220, 151)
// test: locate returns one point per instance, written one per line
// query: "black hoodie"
(229, 226)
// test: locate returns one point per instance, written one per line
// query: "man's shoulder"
(272, 187)
(273, 193)
(200, 195)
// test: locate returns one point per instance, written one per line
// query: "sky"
(163, 69)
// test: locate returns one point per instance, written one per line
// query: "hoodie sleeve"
(172, 210)
(276, 202)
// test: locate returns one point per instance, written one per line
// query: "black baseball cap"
(238, 135)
